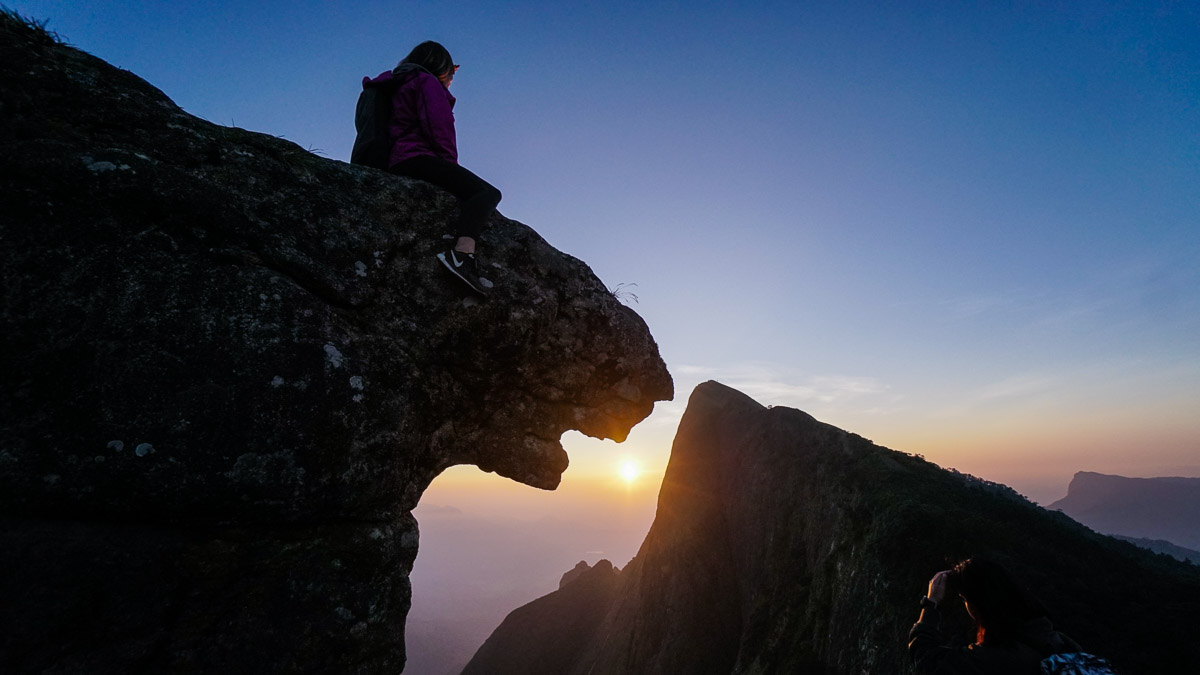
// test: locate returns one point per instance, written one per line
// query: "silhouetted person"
(1013, 633)
(424, 147)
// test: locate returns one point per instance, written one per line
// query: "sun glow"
(629, 471)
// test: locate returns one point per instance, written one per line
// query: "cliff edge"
(785, 545)
(230, 368)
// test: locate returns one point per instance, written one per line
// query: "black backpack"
(372, 117)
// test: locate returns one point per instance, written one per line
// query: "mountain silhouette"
(564, 621)
(1143, 508)
(1165, 547)
(785, 545)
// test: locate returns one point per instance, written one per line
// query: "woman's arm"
(437, 119)
(924, 642)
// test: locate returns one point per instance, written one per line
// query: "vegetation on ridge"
(34, 30)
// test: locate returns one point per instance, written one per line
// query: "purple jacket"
(422, 117)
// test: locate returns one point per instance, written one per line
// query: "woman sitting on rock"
(1013, 634)
(424, 147)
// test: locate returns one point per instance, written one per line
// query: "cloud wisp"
(778, 384)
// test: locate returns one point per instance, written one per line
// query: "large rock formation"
(231, 367)
(1146, 508)
(784, 545)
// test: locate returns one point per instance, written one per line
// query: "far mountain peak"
(1143, 508)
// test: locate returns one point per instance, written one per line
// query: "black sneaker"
(463, 266)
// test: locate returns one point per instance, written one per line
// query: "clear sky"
(965, 230)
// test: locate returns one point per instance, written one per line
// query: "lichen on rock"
(270, 334)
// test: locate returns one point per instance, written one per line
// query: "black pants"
(476, 196)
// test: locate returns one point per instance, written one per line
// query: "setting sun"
(629, 470)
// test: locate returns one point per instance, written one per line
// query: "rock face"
(784, 545)
(1149, 508)
(231, 367)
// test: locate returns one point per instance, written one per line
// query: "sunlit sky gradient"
(971, 232)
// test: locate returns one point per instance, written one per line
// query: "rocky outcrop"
(548, 634)
(230, 368)
(1149, 508)
(575, 572)
(785, 545)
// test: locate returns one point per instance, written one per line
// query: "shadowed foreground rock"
(230, 368)
(784, 545)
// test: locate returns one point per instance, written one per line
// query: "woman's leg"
(477, 198)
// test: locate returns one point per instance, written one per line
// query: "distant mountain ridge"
(784, 545)
(1165, 547)
(1139, 508)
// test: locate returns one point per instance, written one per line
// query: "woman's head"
(999, 605)
(432, 57)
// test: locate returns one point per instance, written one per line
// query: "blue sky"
(968, 230)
